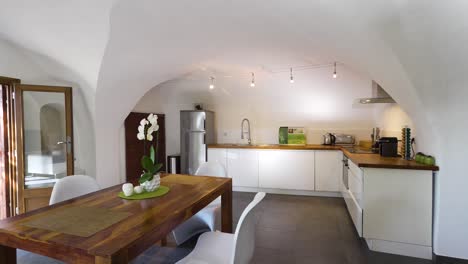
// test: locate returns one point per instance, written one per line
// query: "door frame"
(23, 193)
(9, 144)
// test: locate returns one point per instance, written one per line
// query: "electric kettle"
(329, 139)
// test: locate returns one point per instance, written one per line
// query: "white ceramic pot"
(153, 184)
(127, 189)
(138, 189)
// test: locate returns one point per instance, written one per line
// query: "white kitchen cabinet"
(287, 169)
(328, 170)
(355, 183)
(242, 167)
(398, 211)
(218, 155)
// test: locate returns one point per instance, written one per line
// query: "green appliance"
(292, 136)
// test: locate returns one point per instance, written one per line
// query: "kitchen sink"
(359, 151)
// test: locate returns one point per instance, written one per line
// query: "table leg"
(120, 258)
(226, 210)
(7, 255)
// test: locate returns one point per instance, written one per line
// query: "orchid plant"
(146, 129)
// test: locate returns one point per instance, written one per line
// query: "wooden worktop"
(275, 146)
(377, 161)
(360, 159)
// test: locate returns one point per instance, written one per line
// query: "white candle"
(127, 189)
(138, 189)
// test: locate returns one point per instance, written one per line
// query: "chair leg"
(164, 242)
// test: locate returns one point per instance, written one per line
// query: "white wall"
(33, 69)
(430, 40)
(315, 101)
(391, 118)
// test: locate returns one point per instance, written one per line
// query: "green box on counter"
(292, 136)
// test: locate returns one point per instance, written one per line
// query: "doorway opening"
(36, 145)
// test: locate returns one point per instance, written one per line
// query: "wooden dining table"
(148, 222)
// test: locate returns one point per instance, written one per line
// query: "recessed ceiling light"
(334, 72)
(252, 83)
(291, 78)
(212, 83)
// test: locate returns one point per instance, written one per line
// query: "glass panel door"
(46, 155)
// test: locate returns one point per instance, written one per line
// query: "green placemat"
(162, 190)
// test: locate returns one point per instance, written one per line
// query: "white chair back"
(211, 168)
(244, 238)
(72, 186)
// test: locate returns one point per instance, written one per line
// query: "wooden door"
(44, 122)
(8, 194)
(134, 147)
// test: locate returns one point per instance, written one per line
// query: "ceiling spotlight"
(334, 72)
(252, 83)
(291, 78)
(212, 83)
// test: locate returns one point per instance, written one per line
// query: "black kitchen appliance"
(388, 147)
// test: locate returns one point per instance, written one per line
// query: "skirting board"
(410, 250)
(448, 260)
(283, 191)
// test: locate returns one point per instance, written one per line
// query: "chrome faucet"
(248, 131)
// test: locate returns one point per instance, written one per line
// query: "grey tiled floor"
(291, 229)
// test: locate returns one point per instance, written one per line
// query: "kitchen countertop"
(363, 160)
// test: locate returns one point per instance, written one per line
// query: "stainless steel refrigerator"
(196, 132)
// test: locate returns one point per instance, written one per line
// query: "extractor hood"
(379, 96)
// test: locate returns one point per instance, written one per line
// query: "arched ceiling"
(154, 41)
(66, 36)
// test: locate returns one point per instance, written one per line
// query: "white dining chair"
(72, 186)
(225, 248)
(207, 219)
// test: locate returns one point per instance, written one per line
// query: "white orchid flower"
(144, 122)
(141, 132)
(153, 119)
(149, 137)
(150, 131)
(153, 128)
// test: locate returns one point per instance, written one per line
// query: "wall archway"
(373, 38)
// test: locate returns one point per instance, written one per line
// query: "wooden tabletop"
(150, 221)
(360, 159)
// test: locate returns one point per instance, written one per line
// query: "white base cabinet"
(218, 155)
(392, 209)
(328, 170)
(242, 166)
(282, 170)
(287, 169)
(398, 208)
